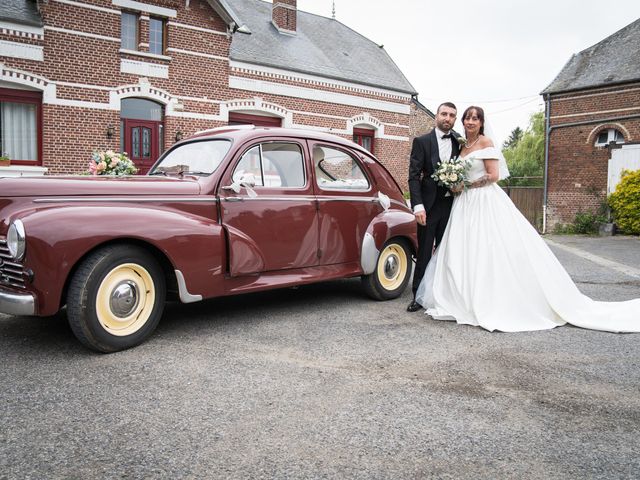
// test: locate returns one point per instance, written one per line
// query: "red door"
(141, 143)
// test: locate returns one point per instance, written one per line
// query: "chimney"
(283, 15)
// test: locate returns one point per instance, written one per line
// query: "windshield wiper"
(191, 172)
(158, 172)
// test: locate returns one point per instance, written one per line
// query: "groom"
(431, 203)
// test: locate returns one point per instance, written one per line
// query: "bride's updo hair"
(479, 112)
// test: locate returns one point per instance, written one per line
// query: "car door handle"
(233, 199)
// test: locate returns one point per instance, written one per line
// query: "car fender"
(58, 238)
(386, 225)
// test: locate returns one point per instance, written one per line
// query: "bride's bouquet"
(451, 173)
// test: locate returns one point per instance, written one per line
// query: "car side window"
(336, 169)
(273, 164)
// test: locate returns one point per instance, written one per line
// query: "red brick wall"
(420, 122)
(86, 71)
(284, 17)
(577, 174)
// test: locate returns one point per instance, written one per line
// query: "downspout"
(547, 134)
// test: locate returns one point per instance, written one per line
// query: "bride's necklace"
(469, 145)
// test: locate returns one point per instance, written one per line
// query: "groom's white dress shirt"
(444, 150)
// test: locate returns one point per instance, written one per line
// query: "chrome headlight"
(16, 240)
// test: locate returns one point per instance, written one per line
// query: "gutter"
(549, 129)
(229, 16)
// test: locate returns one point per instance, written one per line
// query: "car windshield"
(201, 157)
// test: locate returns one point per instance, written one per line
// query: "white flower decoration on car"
(246, 180)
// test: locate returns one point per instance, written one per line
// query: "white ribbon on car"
(246, 180)
(384, 200)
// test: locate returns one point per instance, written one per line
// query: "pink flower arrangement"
(111, 163)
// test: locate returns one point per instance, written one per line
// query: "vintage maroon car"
(228, 211)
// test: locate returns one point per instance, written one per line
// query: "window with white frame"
(605, 137)
(20, 118)
(129, 31)
(157, 36)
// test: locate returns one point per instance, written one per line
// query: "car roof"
(245, 132)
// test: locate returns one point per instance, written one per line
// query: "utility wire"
(485, 101)
(514, 107)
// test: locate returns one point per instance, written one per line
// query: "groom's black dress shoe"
(414, 307)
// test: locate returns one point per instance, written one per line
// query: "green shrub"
(564, 229)
(625, 203)
(585, 223)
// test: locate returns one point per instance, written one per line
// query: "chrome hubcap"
(391, 266)
(124, 299)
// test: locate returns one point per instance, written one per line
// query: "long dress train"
(493, 270)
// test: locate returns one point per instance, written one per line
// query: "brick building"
(80, 75)
(594, 101)
(422, 119)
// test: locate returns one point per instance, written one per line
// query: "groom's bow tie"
(447, 135)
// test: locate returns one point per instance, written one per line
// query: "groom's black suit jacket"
(424, 159)
(425, 156)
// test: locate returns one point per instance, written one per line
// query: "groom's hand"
(421, 217)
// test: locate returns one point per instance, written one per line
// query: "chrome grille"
(11, 273)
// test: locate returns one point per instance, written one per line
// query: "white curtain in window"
(18, 131)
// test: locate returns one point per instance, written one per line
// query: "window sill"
(22, 171)
(145, 54)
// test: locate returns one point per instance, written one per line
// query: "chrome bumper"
(17, 303)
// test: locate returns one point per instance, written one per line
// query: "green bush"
(625, 203)
(585, 223)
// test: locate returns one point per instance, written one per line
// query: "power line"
(514, 107)
(487, 101)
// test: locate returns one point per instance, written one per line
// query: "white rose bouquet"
(451, 173)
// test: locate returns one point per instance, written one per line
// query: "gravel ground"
(320, 382)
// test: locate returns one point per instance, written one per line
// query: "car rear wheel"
(392, 272)
(116, 298)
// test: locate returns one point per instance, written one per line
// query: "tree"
(514, 138)
(525, 157)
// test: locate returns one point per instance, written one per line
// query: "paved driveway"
(319, 382)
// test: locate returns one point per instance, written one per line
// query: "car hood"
(52, 186)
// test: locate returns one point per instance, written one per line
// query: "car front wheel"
(116, 298)
(392, 272)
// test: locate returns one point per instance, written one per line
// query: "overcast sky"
(499, 54)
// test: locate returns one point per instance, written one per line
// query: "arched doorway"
(142, 131)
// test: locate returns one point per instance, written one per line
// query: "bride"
(493, 270)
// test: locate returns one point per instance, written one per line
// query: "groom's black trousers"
(430, 235)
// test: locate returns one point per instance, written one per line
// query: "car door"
(273, 224)
(346, 202)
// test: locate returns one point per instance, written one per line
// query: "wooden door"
(141, 142)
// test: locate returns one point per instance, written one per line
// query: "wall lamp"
(111, 131)
(179, 135)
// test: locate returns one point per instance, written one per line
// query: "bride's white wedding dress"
(493, 270)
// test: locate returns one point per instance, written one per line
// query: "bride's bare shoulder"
(485, 142)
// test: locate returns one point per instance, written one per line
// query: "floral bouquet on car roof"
(111, 163)
(451, 173)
